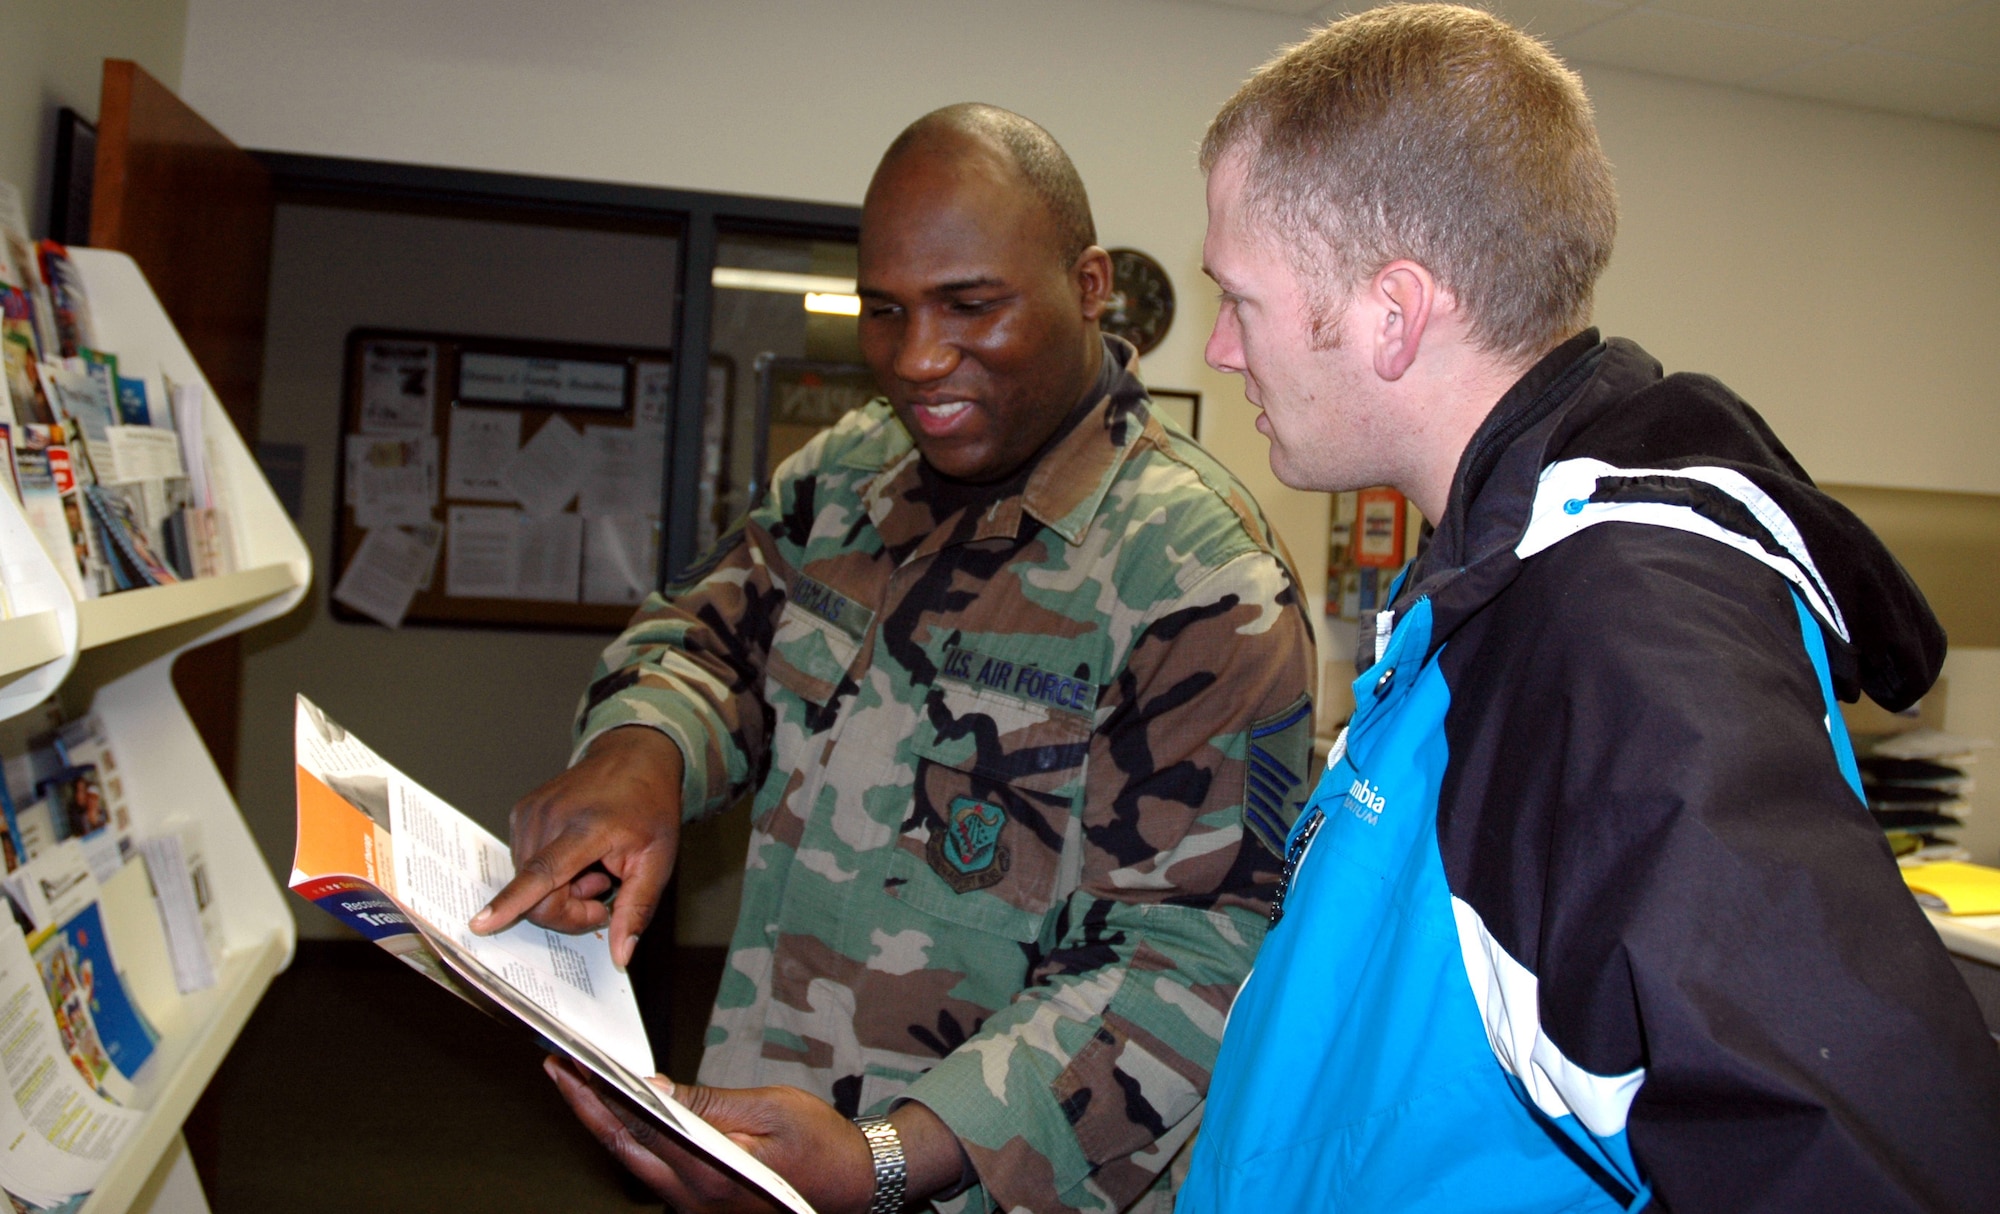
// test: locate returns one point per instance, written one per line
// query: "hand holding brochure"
(408, 871)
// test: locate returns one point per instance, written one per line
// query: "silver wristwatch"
(892, 1171)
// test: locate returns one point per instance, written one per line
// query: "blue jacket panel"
(1339, 1076)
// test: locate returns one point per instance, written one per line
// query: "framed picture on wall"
(74, 178)
(1183, 406)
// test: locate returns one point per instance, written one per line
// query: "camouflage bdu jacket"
(1025, 775)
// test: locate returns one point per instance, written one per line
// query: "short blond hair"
(1437, 133)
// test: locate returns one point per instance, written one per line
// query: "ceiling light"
(780, 281)
(830, 303)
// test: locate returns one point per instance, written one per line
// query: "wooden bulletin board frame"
(431, 604)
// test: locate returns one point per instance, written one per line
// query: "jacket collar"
(1492, 490)
(1611, 401)
(1469, 558)
(1063, 492)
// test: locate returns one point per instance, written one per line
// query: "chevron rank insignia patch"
(1275, 786)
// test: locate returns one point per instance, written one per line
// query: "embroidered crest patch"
(968, 853)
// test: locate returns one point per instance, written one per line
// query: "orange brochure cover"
(343, 861)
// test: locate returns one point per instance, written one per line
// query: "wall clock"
(1142, 299)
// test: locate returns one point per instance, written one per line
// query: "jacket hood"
(1677, 440)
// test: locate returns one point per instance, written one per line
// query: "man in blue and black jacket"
(1586, 913)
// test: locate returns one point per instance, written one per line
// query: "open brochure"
(408, 871)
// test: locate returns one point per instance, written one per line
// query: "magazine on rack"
(406, 870)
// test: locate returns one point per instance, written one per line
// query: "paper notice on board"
(546, 472)
(392, 565)
(620, 555)
(483, 443)
(652, 394)
(391, 481)
(57, 1135)
(481, 558)
(549, 556)
(622, 470)
(397, 381)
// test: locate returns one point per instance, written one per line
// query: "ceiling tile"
(1886, 80)
(1970, 35)
(1937, 58)
(1553, 18)
(1295, 8)
(1846, 20)
(1690, 47)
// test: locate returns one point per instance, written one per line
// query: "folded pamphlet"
(408, 871)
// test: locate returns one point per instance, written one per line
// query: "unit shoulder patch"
(1275, 787)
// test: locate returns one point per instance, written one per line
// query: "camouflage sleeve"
(1079, 1093)
(691, 663)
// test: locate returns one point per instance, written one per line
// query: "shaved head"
(1030, 150)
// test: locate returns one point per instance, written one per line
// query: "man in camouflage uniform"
(1024, 677)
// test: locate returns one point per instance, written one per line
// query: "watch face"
(1142, 299)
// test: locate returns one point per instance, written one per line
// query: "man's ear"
(1092, 276)
(1405, 293)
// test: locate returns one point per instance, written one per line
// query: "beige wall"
(1836, 266)
(1840, 269)
(52, 54)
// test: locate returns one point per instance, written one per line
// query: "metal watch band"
(892, 1172)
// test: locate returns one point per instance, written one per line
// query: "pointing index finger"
(541, 874)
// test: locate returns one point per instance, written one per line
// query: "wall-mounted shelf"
(129, 642)
(29, 641)
(118, 617)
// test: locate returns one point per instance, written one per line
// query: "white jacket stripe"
(1509, 1003)
(1563, 508)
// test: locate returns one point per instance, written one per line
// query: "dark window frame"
(699, 216)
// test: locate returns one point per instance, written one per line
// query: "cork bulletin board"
(500, 482)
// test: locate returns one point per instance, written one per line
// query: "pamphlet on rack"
(108, 1039)
(186, 900)
(58, 1132)
(407, 870)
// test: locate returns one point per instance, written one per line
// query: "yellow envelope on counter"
(1960, 889)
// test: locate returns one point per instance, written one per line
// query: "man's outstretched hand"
(619, 809)
(794, 1133)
